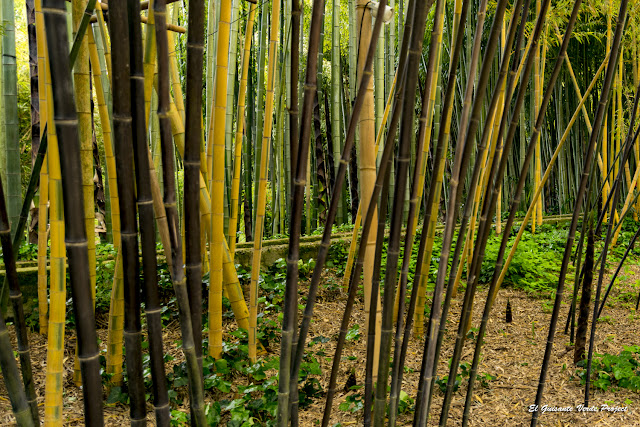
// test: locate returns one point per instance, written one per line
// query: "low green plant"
(609, 371)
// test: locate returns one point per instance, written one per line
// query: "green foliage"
(610, 371)
(354, 402)
(536, 263)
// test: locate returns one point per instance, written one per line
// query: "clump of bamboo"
(595, 134)
(65, 119)
(168, 171)
(123, 139)
(147, 228)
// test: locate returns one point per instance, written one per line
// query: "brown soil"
(512, 353)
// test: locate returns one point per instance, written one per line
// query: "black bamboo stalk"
(585, 298)
(123, 149)
(571, 318)
(595, 134)
(401, 176)
(193, 124)
(16, 392)
(288, 382)
(178, 278)
(331, 215)
(66, 123)
(146, 218)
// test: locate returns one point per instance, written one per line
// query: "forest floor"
(511, 358)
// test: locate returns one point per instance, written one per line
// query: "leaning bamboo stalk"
(65, 120)
(114, 361)
(215, 164)
(579, 200)
(191, 162)
(168, 169)
(123, 148)
(11, 376)
(145, 208)
(43, 211)
(262, 187)
(15, 296)
(497, 92)
(235, 185)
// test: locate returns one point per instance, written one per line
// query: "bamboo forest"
(319, 212)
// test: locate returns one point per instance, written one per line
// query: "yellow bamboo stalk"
(262, 185)
(636, 148)
(356, 225)
(217, 148)
(547, 173)
(43, 214)
(55, 339)
(103, 30)
(116, 308)
(367, 171)
(235, 183)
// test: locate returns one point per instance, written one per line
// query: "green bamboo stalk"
(11, 167)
